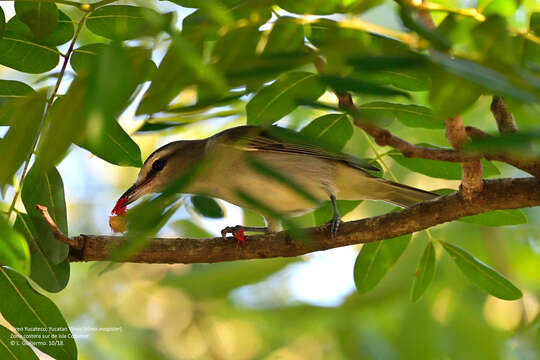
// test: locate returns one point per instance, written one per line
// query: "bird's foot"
(333, 224)
(238, 232)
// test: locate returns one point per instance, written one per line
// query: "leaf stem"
(100, 4)
(379, 156)
(45, 113)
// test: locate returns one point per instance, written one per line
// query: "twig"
(532, 166)
(497, 195)
(58, 235)
(505, 119)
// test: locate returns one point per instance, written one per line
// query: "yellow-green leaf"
(482, 275)
(26, 309)
(283, 96)
(424, 273)
(13, 248)
(50, 276)
(375, 259)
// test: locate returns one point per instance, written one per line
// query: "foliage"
(81, 67)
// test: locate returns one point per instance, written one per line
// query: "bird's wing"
(277, 139)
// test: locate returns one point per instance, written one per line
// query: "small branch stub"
(58, 235)
(471, 178)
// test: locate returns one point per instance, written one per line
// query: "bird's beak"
(129, 196)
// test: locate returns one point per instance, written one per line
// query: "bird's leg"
(335, 221)
(238, 232)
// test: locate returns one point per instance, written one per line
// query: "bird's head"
(160, 169)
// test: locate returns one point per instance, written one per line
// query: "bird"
(277, 168)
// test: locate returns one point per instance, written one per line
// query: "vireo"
(276, 167)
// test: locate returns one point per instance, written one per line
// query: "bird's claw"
(237, 232)
(334, 224)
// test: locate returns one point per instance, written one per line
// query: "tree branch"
(497, 195)
(530, 165)
(505, 119)
(471, 178)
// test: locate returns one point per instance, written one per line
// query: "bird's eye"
(158, 165)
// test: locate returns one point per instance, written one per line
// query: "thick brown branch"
(497, 194)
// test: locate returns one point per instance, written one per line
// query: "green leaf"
(326, 7)
(111, 143)
(494, 42)
(438, 169)
(182, 66)
(207, 281)
(46, 188)
(451, 95)
(124, 22)
(316, 7)
(188, 228)
(501, 7)
(205, 23)
(121, 70)
(63, 32)
(67, 123)
(235, 54)
(2, 22)
(497, 218)
(278, 99)
(375, 259)
(238, 55)
(83, 57)
(25, 116)
(251, 218)
(360, 86)
(26, 309)
(341, 44)
(407, 78)
(409, 115)
(40, 16)
(14, 351)
(287, 36)
(521, 144)
(50, 276)
(206, 206)
(87, 114)
(23, 55)
(521, 87)
(13, 248)
(534, 23)
(335, 130)
(424, 273)
(10, 91)
(482, 275)
(412, 20)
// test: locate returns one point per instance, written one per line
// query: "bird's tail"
(403, 195)
(357, 185)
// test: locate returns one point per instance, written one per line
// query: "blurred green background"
(302, 308)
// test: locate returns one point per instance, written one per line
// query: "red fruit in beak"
(120, 207)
